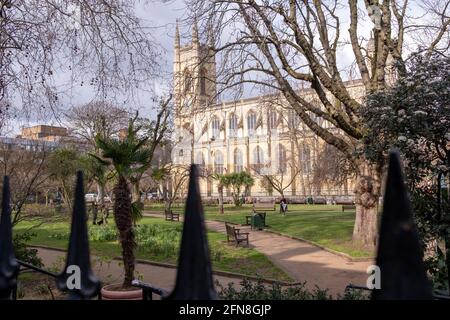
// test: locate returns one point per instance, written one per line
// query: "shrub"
(159, 239)
(59, 235)
(259, 291)
(22, 251)
(103, 233)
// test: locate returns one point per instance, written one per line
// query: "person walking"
(283, 206)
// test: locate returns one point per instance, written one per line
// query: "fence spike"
(9, 268)
(403, 274)
(78, 257)
(194, 276)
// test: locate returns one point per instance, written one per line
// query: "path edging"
(173, 266)
(338, 253)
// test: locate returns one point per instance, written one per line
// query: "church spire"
(195, 32)
(211, 38)
(177, 36)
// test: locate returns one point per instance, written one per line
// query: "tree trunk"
(220, 190)
(236, 198)
(367, 193)
(67, 196)
(102, 207)
(136, 191)
(446, 231)
(124, 223)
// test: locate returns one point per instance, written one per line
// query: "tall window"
(272, 120)
(305, 159)
(215, 127)
(233, 125)
(200, 160)
(294, 120)
(282, 163)
(238, 161)
(202, 81)
(187, 81)
(258, 159)
(218, 162)
(251, 123)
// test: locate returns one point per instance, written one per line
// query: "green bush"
(22, 251)
(59, 235)
(159, 239)
(259, 291)
(103, 233)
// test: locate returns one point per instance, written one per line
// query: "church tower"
(194, 76)
(194, 70)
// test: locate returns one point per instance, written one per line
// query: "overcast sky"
(160, 16)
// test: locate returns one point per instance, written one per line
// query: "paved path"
(112, 271)
(301, 260)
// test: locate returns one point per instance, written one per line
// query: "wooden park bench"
(235, 235)
(348, 207)
(210, 202)
(264, 206)
(320, 201)
(170, 216)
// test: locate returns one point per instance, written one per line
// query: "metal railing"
(148, 290)
(399, 252)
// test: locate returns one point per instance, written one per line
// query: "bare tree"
(26, 166)
(279, 179)
(173, 178)
(156, 130)
(48, 46)
(281, 45)
(330, 168)
(97, 118)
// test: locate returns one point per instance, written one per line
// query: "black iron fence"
(399, 254)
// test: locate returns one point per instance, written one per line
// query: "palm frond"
(99, 160)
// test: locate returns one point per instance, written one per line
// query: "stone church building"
(260, 135)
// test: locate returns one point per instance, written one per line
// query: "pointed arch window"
(215, 127)
(218, 162)
(203, 81)
(272, 120)
(238, 161)
(282, 160)
(258, 159)
(293, 119)
(187, 81)
(233, 125)
(305, 159)
(251, 123)
(200, 160)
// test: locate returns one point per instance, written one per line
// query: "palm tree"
(221, 182)
(129, 156)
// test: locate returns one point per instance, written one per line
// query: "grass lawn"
(326, 225)
(160, 248)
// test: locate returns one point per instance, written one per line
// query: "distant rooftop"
(43, 132)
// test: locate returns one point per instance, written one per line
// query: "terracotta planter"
(114, 292)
